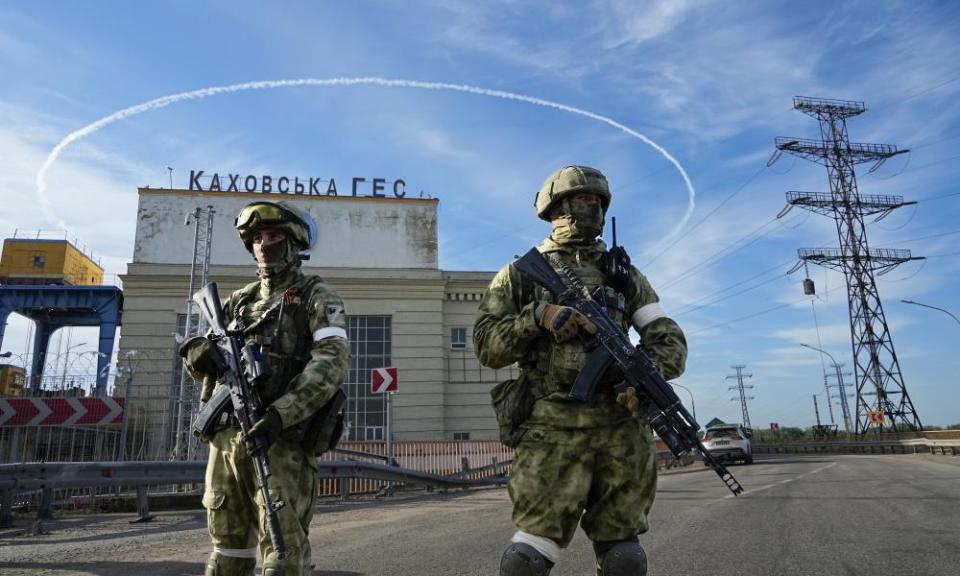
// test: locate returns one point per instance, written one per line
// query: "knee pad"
(273, 569)
(622, 558)
(220, 565)
(521, 559)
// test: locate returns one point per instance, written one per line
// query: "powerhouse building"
(378, 251)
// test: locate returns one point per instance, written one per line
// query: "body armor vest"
(554, 367)
(279, 328)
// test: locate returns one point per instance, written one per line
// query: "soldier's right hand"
(562, 321)
(202, 357)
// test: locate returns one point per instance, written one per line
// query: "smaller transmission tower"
(876, 368)
(742, 387)
(841, 394)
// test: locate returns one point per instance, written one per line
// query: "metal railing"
(54, 482)
(919, 443)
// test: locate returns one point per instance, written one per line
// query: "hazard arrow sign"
(65, 411)
(383, 380)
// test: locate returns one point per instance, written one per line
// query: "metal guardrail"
(48, 477)
(913, 446)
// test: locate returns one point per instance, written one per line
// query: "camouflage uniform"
(592, 463)
(307, 356)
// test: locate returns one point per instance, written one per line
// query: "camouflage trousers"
(603, 478)
(235, 511)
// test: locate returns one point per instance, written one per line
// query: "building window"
(370, 347)
(458, 338)
(461, 435)
(39, 260)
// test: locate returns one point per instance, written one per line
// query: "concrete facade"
(380, 254)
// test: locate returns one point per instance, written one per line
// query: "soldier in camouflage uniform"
(304, 345)
(589, 463)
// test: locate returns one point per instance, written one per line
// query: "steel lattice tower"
(742, 387)
(876, 368)
(188, 399)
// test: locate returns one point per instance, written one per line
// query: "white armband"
(647, 314)
(236, 552)
(329, 332)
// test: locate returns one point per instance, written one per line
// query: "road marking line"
(785, 481)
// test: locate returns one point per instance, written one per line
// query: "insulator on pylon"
(808, 288)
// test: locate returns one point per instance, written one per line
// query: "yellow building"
(12, 380)
(40, 261)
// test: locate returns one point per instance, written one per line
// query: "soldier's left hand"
(270, 426)
(629, 400)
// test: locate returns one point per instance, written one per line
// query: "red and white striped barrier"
(65, 411)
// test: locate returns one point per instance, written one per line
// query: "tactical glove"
(629, 400)
(270, 426)
(562, 321)
(202, 358)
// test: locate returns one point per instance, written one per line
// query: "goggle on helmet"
(298, 226)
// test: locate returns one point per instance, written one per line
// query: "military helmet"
(298, 226)
(570, 180)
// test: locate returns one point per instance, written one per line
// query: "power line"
(704, 219)
(917, 94)
(940, 235)
(722, 253)
(725, 298)
(943, 255)
(942, 196)
(760, 313)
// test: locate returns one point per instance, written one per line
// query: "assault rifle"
(244, 372)
(666, 414)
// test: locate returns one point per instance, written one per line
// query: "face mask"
(275, 257)
(582, 220)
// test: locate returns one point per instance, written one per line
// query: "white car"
(729, 442)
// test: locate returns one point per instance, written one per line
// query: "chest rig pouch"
(280, 329)
(560, 363)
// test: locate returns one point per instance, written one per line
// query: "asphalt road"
(834, 515)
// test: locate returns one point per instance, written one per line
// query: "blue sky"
(711, 82)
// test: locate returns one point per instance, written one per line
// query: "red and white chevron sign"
(383, 380)
(66, 411)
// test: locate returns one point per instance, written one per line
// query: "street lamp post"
(933, 307)
(66, 358)
(693, 406)
(843, 394)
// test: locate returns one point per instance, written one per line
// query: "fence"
(475, 459)
(149, 431)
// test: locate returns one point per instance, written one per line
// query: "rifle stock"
(665, 412)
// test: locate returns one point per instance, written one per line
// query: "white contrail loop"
(269, 84)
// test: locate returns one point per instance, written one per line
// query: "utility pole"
(741, 387)
(816, 410)
(876, 368)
